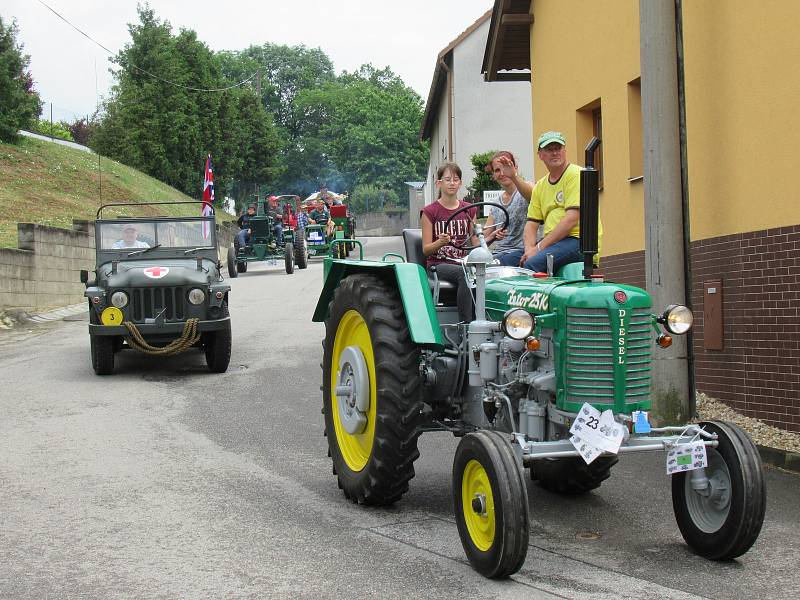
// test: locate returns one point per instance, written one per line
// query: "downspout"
(449, 92)
(687, 263)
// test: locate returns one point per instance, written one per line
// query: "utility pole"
(258, 83)
(51, 121)
(664, 202)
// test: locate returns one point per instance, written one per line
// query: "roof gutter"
(450, 116)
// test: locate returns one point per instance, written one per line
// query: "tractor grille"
(591, 354)
(146, 303)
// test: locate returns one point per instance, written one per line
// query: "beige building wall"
(580, 64)
(742, 88)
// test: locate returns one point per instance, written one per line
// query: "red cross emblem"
(156, 272)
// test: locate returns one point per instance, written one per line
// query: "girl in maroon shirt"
(436, 240)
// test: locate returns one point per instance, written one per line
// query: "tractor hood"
(157, 273)
(549, 294)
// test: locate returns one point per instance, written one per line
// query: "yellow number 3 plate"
(111, 316)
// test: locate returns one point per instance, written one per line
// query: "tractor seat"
(412, 238)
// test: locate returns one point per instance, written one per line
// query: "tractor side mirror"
(84, 276)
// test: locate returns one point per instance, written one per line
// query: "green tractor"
(552, 376)
(344, 228)
(265, 245)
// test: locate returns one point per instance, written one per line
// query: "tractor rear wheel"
(301, 254)
(217, 346)
(241, 266)
(723, 520)
(491, 504)
(232, 270)
(371, 391)
(289, 257)
(572, 475)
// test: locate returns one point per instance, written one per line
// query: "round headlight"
(678, 319)
(197, 296)
(518, 323)
(119, 299)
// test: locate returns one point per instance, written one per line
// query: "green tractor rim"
(356, 448)
(477, 504)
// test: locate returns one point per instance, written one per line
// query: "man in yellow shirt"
(555, 201)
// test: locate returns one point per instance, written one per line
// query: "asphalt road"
(164, 480)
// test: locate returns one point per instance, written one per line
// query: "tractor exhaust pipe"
(590, 209)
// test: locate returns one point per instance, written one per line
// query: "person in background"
(302, 218)
(436, 241)
(129, 239)
(321, 216)
(274, 212)
(243, 236)
(504, 170)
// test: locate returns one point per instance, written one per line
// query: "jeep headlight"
(119, 299)
(197, 296)
(677, 319)
(518, 323)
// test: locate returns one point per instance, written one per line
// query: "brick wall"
(758, 370)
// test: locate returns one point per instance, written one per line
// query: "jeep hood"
(175, 273)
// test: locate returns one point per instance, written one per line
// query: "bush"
(19, 102)
(59, 130)
(483, 181)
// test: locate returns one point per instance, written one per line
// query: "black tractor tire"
(217, 346)
(491, 504)
(102, 348)
(288, 257)
(301, 254)
(241, 266)
(232, 271)
(366, 320)
(572, 475)
(725, 524)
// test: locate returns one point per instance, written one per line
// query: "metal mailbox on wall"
(713, 332)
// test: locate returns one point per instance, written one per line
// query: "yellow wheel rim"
(476, 490)
(355, 448)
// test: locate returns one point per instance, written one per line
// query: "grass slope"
(50, 184)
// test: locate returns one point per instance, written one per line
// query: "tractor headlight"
(197, 296)
(677, 319)
(518, 323)
(119, 299)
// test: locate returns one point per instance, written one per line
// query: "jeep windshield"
(135, 235)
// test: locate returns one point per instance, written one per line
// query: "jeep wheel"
(217, 346)
(491, 504)
(301, 254)
(232, 272)
(102, 347)
(289, 257)
(572, 475)
(371, 391)
(722, 520)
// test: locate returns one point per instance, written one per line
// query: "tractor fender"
(412, 283)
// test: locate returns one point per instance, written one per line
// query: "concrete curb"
(10, 318)
(780, 458)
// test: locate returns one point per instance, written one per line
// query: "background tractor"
(552, 376)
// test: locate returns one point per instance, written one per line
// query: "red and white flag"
(208, 194)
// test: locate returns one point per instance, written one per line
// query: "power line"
(180, 85)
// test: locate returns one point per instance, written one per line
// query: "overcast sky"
(405, 35)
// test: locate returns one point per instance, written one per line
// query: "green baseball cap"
(548, 137)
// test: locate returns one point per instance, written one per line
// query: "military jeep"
(157, 288)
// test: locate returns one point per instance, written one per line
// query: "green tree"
(482, 181)
(19, 103)
(365, 125)
(163, 120)
(59, 129)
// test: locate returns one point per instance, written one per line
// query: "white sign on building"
(491, 196)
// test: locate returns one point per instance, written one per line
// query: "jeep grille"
(146, 303)
(591, 352)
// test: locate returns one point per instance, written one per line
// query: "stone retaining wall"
(381, 224)
(44, 272)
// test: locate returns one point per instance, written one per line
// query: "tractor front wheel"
(722, 519)
(371, 391)
(491, 504)
(241, 266)
(289, 257)
(232, 270)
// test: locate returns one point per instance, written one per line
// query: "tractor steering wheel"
(498, 226)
